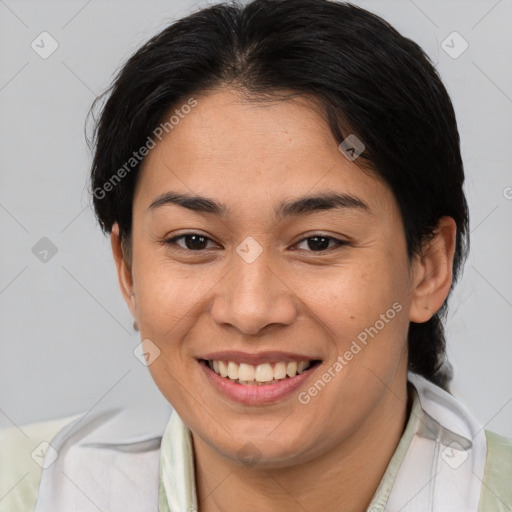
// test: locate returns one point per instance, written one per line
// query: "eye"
(192, 241)
(198, 242)
(319, 243)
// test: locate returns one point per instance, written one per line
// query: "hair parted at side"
(370, 81)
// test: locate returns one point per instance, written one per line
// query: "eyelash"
(173, 242)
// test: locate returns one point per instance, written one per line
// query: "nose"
(254, 296)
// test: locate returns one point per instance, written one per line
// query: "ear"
(432, 272)
(124, 273)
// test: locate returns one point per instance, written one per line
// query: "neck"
(347, 475)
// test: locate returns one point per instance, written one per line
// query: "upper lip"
(257, 358)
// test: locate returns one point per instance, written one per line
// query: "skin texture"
(251, 156)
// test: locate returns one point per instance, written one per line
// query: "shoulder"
(112, 445)
(109, 455)
(497, 483)
(22, 451)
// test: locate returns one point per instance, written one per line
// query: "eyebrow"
(294, 207)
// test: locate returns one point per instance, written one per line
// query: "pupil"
(198, 242)
(319, 242)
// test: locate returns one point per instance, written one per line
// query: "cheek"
(166, 308)
(363, 304)
(351, 296)
(165, 292)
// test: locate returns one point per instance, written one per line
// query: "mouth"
(258, 379)
(263, 374)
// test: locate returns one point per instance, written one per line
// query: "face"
(258, 276)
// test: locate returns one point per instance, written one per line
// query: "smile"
(261, 374)
(260, 379)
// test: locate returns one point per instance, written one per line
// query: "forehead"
(245, 152)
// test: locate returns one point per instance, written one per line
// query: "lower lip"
(256, 394)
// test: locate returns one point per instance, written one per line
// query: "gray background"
(66, 336)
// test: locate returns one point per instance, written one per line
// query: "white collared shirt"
(124, 460)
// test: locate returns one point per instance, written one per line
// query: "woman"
(283, 187)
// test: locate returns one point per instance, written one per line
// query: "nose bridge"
(253, 296)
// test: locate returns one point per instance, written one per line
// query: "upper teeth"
(266, 372)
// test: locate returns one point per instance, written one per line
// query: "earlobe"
(124, 273)
(432, 272)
